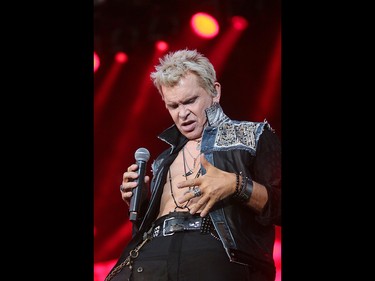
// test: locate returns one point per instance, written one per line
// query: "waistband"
(180, 221)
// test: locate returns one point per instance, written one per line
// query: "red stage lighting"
(161, 45)
(121, 57)
(204, 25)
(96, 62)
(239, 23)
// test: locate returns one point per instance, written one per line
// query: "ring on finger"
(196, 191)
(122, 188)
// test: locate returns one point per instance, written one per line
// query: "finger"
(198, 205)
(132, 168)
(128, 186)
(189, 183)
(126, 197)
(129, 176)
(188, 195)
(207, 208)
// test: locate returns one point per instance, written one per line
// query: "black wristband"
(237, 183)
(247, 191)
(243, 195)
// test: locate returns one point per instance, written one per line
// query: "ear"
(218, 92)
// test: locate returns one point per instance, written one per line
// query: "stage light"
(204, 25)
(96, 62)
(121, 57)
(161, 45)
(239, 23)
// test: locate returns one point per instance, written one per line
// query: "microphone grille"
(142, 154)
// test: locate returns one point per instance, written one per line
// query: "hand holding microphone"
(135, 180)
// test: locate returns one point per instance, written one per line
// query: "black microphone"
(141, 156)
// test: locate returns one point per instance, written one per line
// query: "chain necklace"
(194, 158)
(190, 172)
(174, 199)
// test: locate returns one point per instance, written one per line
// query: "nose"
(183, 112)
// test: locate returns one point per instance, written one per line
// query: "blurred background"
(242, 38)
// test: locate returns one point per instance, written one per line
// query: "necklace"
(191, 155)
(174, 199)
(194, 158)
(190, 172)
(187, 173)
(198, 147)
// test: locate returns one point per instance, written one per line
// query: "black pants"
(186, 256)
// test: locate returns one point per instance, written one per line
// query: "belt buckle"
(167, 234)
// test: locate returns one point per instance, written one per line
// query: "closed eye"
(190, 101)
(172, 106)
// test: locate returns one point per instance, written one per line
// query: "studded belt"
(180, 221)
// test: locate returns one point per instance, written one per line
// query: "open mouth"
(188, 126)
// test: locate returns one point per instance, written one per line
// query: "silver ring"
(197, 192)
(122, 188)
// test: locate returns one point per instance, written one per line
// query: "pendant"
(188, 174)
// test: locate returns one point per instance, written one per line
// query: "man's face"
(186, 103)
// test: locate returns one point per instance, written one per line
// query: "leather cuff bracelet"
(243, 193)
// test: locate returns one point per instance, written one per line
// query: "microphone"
(141, 156)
